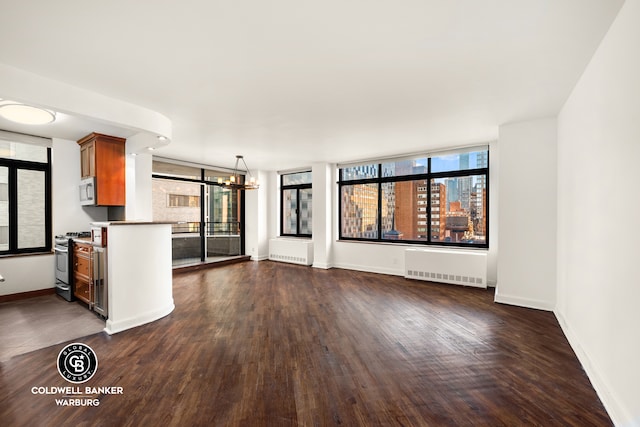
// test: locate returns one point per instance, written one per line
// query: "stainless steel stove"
(64, 285)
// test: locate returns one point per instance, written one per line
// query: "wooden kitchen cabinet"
(88, 159)
(103, 157)
(83, 272)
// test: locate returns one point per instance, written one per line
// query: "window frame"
(204, 180)
(297, 188)
(13, 166)
(428, 177)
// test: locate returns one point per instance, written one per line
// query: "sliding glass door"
(207, 217)
(223, 231)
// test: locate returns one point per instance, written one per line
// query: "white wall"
(373, 257)
(257, 218)
(273, 205)
(139, 187)
(27, 273)
(598, 229)
(494, 214)
(68, 214)
(527, 214)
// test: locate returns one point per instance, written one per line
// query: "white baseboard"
(259, 258)
(619, 415)
(113, 327)
(322, 265)
(523, 302)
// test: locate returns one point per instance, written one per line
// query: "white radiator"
(468, 268)
(295, 251)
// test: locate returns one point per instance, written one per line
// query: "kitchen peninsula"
(138, 271)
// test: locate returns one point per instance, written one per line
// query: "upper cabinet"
(103, 157)
(88, 159)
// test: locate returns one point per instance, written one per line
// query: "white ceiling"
(291, 82)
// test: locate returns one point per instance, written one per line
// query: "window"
(183, 200)
(436, 200)
(297, 202)
(25, 198)
(359, 211)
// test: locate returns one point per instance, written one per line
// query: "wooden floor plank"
(271, 344)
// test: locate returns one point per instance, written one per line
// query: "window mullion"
(429, 204)
(379, 210)
(297, 211)
(429, 232)
(281, 205)
(13, 207)
(203, 223)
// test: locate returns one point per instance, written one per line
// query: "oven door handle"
(63, 287)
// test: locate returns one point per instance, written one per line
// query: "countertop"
(85, 240)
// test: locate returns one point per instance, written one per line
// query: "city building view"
(447, 204)
(297, 204)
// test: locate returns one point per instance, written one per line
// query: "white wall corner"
(519, 301)
(619, 415)
(527, 214)
(492, 253)
(322, 213)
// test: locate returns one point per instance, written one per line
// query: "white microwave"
(88, 191)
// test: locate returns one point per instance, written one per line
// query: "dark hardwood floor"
(270, 344)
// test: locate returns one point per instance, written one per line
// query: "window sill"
(5, 256)
(413, 245)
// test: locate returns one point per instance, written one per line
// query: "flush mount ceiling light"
(26, 114)
(238, 181)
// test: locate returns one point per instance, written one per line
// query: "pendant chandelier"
(237, 181)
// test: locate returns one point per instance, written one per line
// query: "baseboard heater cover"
(294, 251)
(467, 268)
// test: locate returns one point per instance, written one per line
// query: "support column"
(323, 185)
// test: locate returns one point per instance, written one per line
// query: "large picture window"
(438, 200)
(25, 198)
(297, 203)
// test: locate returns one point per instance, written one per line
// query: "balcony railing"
(213, 228)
